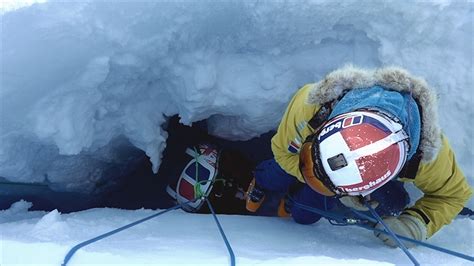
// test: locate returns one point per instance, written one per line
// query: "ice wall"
(85, 83)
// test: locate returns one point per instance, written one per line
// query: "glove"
(404, 225)
(354, 202)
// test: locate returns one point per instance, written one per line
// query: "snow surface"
(83, 83)
(86, 85)
(177, 237)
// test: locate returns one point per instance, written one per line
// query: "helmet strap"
(379, 145)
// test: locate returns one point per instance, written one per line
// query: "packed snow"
(178, 237)
(86, 87)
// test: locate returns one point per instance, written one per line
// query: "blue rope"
(229, 248)
(365, 223)
(392, 234)
(444, 250)
(73, 250)
(421, 243)
(198, 193)
(330, 216)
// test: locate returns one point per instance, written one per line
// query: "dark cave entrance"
(140, 187)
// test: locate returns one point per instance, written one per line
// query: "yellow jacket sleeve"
(292, 132)
(445, 190)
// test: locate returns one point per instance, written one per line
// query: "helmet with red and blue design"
(354, 153)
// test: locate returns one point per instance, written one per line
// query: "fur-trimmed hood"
(342, 80)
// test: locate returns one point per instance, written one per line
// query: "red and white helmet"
(355, 153)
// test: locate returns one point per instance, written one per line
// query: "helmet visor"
(307, 169)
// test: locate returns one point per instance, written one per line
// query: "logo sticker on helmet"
(331, 127)
(344, 121)
(369, 185)
(352, 121)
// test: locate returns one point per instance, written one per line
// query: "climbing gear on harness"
(254, 197)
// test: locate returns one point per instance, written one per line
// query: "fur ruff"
(340, 81)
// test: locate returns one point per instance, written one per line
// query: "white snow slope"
(179, 238)
(83, 82)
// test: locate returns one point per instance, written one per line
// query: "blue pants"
(271, 177)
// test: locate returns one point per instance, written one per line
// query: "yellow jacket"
(444, 185)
